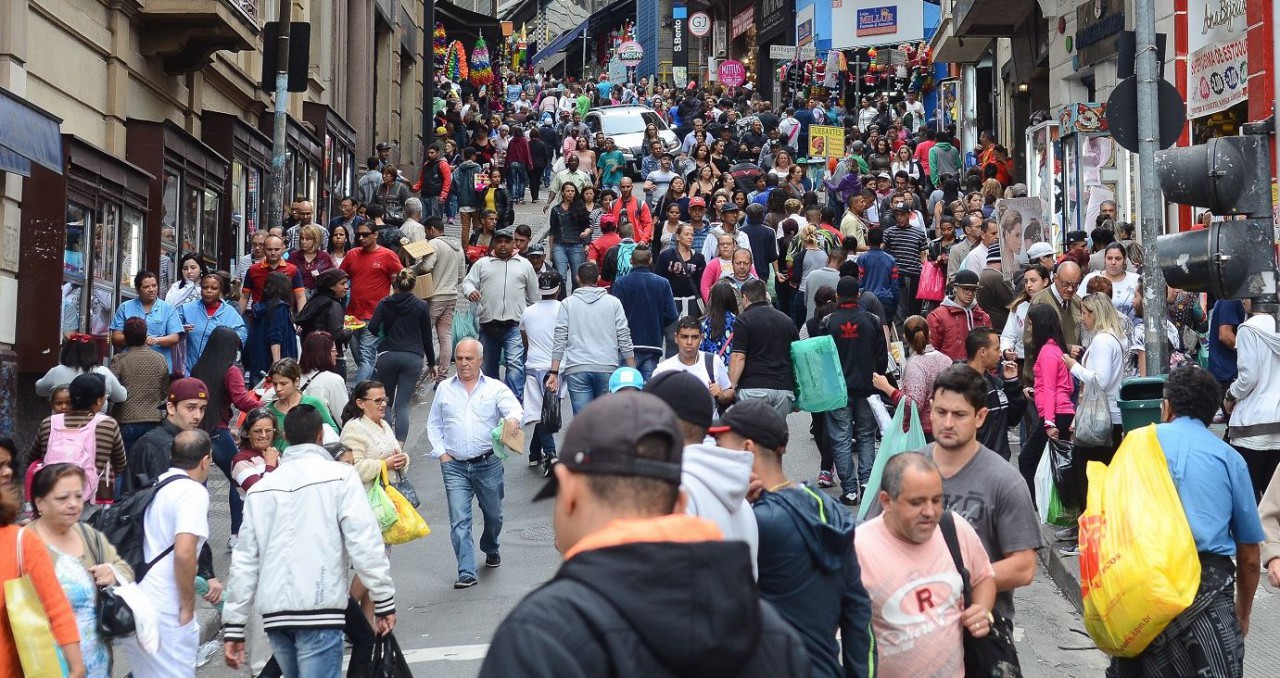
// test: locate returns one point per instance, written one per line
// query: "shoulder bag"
(37, 649)
(993, 656)
(114, 616)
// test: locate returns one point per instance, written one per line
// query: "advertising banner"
(867, 23)
(826, 141)
(1217, 78)
(1021, 227)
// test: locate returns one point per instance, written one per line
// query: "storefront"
(243, 198)
(742, 38)
(775, 25)
(338, 167)
(302, 160)
(82, 242)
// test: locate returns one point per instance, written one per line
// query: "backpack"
(78, 446)
(624, 258)
(123, 525)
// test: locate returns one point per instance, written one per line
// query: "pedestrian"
(272, 335)
(988, 236)
(145, 376)
(629, 209)
(434, 182)
(878, 274)
(84, 429)
(918, 616)
(300, 217)
(369, 436)
(994, 292)
(184, 408)
(324, 312)
(760, 365)
(285, 378)
(957, 315)
(921, 369)
(164, 327)
(464, 411)
(78, 356)
(591, 333)
(445, 267)
(649, 305)
(1053, 387)
(320, 375)
(537, 330)
(1006, 403)
(309, 518)
(569, 231)
(200, 317)
(708, 368)
(371, 268)
(502, 286)
(570, 174)
(686, 561)
(255, 280)
(1253, 401)
(1034, 279)
(407, 349)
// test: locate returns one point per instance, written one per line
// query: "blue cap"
(625, 377)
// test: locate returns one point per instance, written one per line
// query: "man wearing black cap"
(728, 226)
(808, 568)
(906, 242)
(863, 352)
(644, 590)
(951, 321)
(994, 292)
(502, 285)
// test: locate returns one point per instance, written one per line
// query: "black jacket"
(404, 322)
(324, 313)
(648, 610)
(148, 459)
(1005, 406)
(506, 212)
(861, 346)
(809, 572)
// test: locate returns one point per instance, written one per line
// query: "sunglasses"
(363, 234)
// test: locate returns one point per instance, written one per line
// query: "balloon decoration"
(455, 67)
(481, 72)
(441, 47)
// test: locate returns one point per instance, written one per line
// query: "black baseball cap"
(597, 443)
(966, 278)
(755, 420)
(685, 395)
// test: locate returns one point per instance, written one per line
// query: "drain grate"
(539, 533)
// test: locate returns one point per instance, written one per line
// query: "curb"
(1065, 572)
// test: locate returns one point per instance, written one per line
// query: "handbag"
(550, 411)
(406, 490)
(933, 282)
(383, 510)
(994, 655)
(37, 650)
(115, 617)
(388, 660)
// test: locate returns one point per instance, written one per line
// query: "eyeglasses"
(1069, 285)
(264, 432)
(379, 401)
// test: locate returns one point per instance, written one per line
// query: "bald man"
(1062, 296)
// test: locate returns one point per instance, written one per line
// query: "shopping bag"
(1049, 504)
(883, 418)
(383, 510)
(895, 442)
(406, 490)
(409, 524)
(1093, 417)
(550, 411)
(388, 660)
(464, 324)
(1062, 454)
(820, 385)
(32, 636)
(1138, 563)
(933, 282)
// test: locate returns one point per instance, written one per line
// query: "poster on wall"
(866, 23)
(1021, 226)
(826, 141)
(1217, 78)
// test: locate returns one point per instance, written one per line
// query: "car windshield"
(630, 122)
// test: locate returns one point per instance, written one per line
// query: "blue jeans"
(224, 450)
(567, 260)
(432, 206)
(543, 444)
(131, 432)
(498, 342)
(451, 207)
(517, 179)
(364, 348)
(585, 387)
(841, 426)
(315, 653)
(462, 481)
(647, 362)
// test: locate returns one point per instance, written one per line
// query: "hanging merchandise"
(441, 47)
(832, 68)
(518, 54)
(481, 72)
(456, 62)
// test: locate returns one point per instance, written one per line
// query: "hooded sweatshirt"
(1257, 385)
(943, 159)
(464, 183)
(809, 572)
(654, 597)
(445, 267)
(949, 326)
(404, 322)
(715, 481)
(591, 330)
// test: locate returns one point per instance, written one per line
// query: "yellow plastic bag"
(38, 651)
(409, 523)
(1138, 562)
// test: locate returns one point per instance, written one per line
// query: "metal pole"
(583, 75)
(275, 180)
(428, 76)
(1153, 287)
(1275, 70)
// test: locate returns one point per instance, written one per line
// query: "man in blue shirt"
(164, 327)
(1226, 317)
(1217, 497)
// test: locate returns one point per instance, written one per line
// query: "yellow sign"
(826, 141)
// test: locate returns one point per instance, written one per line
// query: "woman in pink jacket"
(1053, 388)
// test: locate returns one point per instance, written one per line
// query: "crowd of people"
(667, 295)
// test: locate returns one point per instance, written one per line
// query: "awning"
(464, 24)
(608, 17)
(29, 134)
(560, 43)
(599, 21)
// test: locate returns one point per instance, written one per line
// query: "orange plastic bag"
(1138, 562)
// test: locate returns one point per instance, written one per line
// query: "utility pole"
(1153, 285)
(428, 76)
(275, 180)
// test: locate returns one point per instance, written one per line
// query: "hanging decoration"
(456, 62)
(518, 55)
(441, 46)
(481, 72)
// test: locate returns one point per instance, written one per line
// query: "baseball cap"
(1077, 236)
(883, 175)
(993, 252)
(754, 420)
(1040, 249)
(384, 146)
(549, 283)
(595, 443)
(685, 395)
(966, 278)
(508, 233)
(730, 207)
(900, 206)
(847, 288)
(187, 388)
(697, 202)
(535, 251)
(625, 377)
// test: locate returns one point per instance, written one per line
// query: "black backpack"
(122, 524)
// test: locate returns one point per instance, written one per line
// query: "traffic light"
(1233, 258)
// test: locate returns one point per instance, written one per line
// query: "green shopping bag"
(819, 377)
(895, 442)
(1059, 514)
(383, 510)
(464, 324)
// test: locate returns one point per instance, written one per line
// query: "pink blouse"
(1053, 383)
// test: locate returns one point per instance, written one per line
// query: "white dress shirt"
(461, 423)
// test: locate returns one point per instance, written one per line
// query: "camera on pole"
(1234, 258)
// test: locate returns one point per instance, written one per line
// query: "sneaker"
(466, 581)
(535, 461)
(824, 479)
(849, 499)
(1066, 533)
(1069, 550)
(492, 560)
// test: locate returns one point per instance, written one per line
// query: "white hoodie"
(715, 480)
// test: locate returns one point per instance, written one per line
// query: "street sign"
(788, 52)
(700, 24)
(1122, 113)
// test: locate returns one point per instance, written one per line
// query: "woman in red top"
(258, 455)
(918, 373)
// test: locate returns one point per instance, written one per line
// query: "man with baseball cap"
(698, 219)
(537, 329)
(1041, 253)
(808, 568)
(951, 321)
(635, 565)
(503, 286)
(184, 407)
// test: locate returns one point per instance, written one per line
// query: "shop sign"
(617, 72)
(1097, 24)
(826, 141)
(1217, 78)
(877, 21)
(742, 21)
(804, 26)
(630, 53)
(732, 73)
(1215, 22)
(867, 23)
(699, 24)
(775, 16)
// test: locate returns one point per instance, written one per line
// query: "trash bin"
(1139, 401)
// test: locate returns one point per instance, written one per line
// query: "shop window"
(169, 227)
(131, 255)
(74, 267)
(209, 232)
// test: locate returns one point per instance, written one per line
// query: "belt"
(477, 459)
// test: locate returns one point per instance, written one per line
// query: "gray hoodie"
(445, 266)
(591, 330)
(715, 481)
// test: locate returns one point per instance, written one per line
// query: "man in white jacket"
(290, 563)
(714, 479)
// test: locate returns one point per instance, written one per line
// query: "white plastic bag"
(1044, 487)
(883, 418)
(1093, 417)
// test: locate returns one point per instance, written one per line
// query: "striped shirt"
(906, 244)
(107, 436)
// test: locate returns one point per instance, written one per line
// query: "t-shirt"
(1122, 293)
(906, 244)
(917, 597)
(697, 369)
(763, 335)
(538, 322)
(611, 164)
(1222, 360)
(371, 275)
(256, 278)
(180, 507)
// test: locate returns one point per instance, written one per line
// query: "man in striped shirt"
(906, 244)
